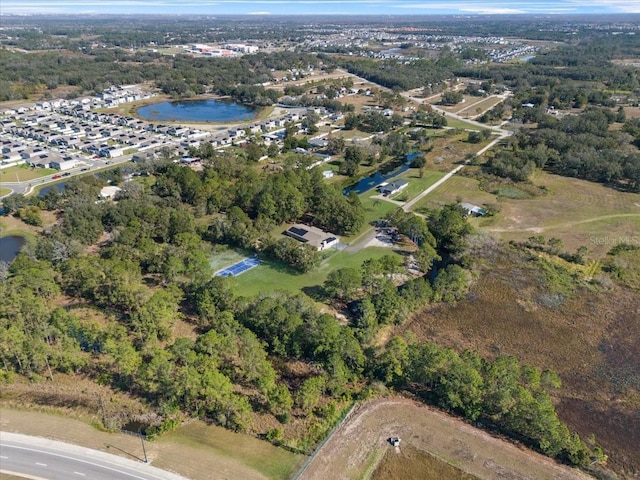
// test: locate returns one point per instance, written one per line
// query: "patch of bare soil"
(591, 338)
(362, 440)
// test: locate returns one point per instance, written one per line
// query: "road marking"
(41, 464)
(3, 457)
(80, 460)
(80, 473)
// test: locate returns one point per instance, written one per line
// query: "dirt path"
(356, 446)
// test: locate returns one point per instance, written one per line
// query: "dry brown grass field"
(591, 337)
(434, 446)
(410, 463)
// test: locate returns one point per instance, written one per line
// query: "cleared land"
(361, 441)
(590, 336)
(24, 173)
(197, 451)
(479, 106)
(576, 211)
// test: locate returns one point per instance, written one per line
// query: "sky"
(317, 7)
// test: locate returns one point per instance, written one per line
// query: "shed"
(473, 210)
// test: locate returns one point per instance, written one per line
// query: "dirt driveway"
(361, 441)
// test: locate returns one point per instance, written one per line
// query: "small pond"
(387, 172)
(10, 247)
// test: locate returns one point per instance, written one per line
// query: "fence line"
(306, 464)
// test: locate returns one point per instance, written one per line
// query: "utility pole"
(144, 451)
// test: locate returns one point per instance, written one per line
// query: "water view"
(210, 110)
(10, 247)
(387, 172)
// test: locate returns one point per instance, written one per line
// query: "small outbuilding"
(473, 210)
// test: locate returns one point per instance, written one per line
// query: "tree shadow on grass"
(316, 292)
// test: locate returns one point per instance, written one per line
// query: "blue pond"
(196, 111)
(382, 175)
(56, 186)
(9, 247)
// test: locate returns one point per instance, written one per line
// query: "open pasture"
(480, 106)
(24, 173)
(578, 212)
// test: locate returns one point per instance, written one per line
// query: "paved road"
(409, 205)
(28, 186)
(40, 458)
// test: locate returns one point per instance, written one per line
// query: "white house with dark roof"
(392, 188)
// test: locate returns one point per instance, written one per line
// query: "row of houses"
(58, 128)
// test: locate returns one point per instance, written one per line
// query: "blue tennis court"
(238, 268)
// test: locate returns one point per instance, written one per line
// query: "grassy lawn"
(455, 123)
(466, 189)
(576, 211)
(23, 173)
(273, 275)
(4, 191)
(468, 100)
(375, 208)
(246, 451)
(416, 184)
(480, 105)
(195, 450)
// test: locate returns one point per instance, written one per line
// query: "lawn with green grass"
(578, 212)
(457, 123)
(374, 209)
(24, 173)
(4, 191)
(417, 184)
(275, 276)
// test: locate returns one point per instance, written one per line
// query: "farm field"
(589, 336)
(197, 451)
(576, 211)
(429, 437)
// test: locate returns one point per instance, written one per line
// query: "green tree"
(343, 283)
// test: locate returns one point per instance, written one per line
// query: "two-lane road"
(40, 458)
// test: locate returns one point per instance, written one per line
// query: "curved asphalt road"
(40, 458)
